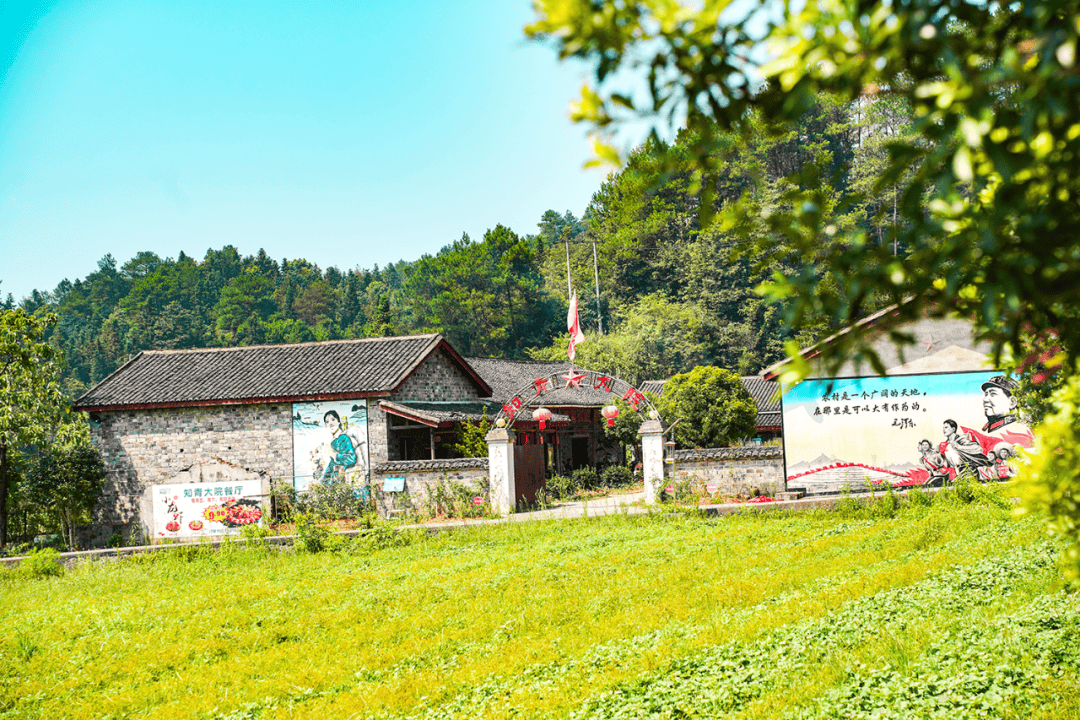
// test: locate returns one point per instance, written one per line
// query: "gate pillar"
(652, 457)
(500, 442)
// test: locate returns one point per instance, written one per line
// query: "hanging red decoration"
(543, 415)
(610, 412)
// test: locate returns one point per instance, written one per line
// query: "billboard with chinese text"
(194, 510)
(906, 430)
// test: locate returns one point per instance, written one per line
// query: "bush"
(616, 476)
(341, 500)
(312, 532)
(918, 497)
(885, 506)
(561, 487)
(376, 534)
(454, 499)
(586, 478)
(684, 492)
(41, 563)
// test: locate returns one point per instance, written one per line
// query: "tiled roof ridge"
(522, 361)
(237, 348)
(429, 465)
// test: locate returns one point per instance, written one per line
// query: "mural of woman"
(340, 451)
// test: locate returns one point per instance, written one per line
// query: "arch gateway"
(510, 465)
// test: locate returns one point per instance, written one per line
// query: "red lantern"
(610, 412)
(543, 415)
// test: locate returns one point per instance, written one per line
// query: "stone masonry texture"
(142, 448)
(736, 471)
(436, 379)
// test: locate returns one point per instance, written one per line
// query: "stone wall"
(735, 471)
(437, 379)
(381, 443)
(421, 475)
(142, 448)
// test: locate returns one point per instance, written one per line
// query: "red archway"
(576, 379)
(557, 389)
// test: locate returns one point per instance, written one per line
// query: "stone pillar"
(500, 442)
(652, 457)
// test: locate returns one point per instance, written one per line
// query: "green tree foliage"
(65, 480)
(627, 424)
(472, 442)
(653, 340)
(485, 297)
(993, 94)
(711, 407)
(31, 397)
(983, 180)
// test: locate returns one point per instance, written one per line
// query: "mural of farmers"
(934, 463)
(329, 442)
(859, 432)
(960, 449)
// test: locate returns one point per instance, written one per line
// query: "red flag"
(572, 324)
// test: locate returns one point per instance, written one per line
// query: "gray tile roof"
(507, 377)
(369, 367)
(765, 393)
(439, 413)
(656, 387)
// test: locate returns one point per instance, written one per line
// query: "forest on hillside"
(675, 289)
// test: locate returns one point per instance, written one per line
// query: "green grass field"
(949, 611)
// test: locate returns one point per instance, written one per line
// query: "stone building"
(298, 413)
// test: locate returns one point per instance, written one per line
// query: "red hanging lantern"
(543, 415)
(610, 412)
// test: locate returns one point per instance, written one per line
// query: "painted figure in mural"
(1003, 419)
(341, 453)
(961, 449)
(1005, 469)
(934, 463)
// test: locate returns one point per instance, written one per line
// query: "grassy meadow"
(946, 610)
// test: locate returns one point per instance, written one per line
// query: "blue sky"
(348, 133)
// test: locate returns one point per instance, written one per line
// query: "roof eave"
(229, 401)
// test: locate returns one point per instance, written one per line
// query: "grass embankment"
(949, 611)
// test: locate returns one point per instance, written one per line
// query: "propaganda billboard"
(194, 510)
(330, 442)
(908, 430)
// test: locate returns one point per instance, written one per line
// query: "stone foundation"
(735, 471)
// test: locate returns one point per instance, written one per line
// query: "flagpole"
(566, 241)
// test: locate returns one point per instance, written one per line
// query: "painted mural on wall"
(193, 510)
(908, 430)
(329, 442)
